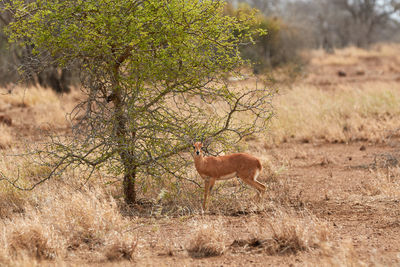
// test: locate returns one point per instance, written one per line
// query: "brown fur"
(224, 167)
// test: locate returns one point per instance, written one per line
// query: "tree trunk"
(125, 154)
(129, 185)
(122, 136)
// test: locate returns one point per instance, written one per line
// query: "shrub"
(280, 46)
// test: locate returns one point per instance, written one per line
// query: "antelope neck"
(198, 161)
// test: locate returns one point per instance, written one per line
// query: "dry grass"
(11, 201)
(354, 55)
(60, 222)
(120, 251)
(6, 137)
(324, 107)
(30, 242)
(347, 114)
(286, 232)
(383, 182)
(35, 102)
(291, 234)
(208, 241)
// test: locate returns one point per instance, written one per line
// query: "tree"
(337, 23)
(154, 73)
(12, 56)
(367, 17)
(279, 47)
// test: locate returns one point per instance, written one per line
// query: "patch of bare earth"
(337, 184)
(332, 181)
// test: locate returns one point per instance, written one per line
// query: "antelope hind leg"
(257, 185)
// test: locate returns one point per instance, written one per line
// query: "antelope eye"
(194, 147)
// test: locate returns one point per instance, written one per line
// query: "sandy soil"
(330, 180)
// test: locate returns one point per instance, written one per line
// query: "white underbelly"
(228, 176)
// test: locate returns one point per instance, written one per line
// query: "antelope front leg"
(212, 182)
(207, 185)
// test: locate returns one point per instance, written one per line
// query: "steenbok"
(242, 165)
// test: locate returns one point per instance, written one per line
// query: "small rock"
(6, 120)
(360, 72)
(305, 140)
(363, 148)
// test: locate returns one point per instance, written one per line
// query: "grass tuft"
(292, 233)
(6, 138)
(286, 233)
(207, 242)
(11, 201)
(31, 242)
(120, 251)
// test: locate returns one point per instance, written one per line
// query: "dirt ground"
(336, 182)
(330, 179)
